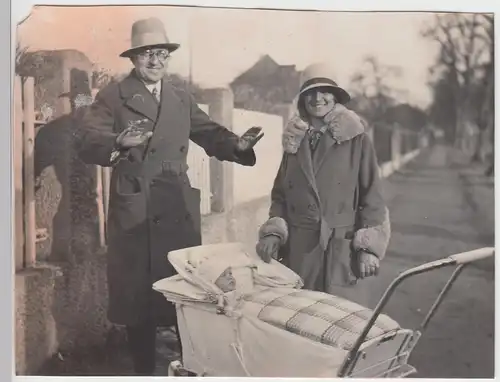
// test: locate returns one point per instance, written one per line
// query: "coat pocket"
(127, 185)
(338, 263)
(128, 207)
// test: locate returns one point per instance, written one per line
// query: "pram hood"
(199, 267)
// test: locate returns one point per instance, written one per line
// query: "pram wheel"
(175, 369)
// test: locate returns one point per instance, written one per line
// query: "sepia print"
(242, 192)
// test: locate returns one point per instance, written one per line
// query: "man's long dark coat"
(152, 208)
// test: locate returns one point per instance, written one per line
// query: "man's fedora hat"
(321, 75)
(149, 33)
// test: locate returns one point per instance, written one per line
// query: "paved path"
(439, 206)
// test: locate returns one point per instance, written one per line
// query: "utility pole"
(190, 42)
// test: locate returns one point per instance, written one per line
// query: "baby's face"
(226, 281)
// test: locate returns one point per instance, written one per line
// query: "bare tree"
(101, 77)
(372, 84)
(20, 57)
(486, 115)
(465, 48)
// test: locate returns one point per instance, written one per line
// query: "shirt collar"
(150, 87)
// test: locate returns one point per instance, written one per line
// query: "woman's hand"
(267, 248)
(368, 264)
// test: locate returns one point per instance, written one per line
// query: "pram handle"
(470, 256)
(459, 259)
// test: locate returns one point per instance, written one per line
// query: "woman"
(328, 221)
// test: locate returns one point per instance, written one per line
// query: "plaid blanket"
(318, 316)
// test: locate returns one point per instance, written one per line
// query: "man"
(141, 127)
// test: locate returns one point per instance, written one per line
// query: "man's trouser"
(142, 346)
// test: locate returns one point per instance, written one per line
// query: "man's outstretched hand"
(249, 139)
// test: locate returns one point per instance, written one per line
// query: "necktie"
(156, 94)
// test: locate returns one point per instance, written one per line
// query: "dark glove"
(267, 248)
(249, 139)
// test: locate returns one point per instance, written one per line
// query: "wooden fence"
(25, 232)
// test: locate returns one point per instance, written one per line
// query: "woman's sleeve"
(277, 224)
(373, 223)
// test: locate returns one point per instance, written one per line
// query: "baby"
(226, 281)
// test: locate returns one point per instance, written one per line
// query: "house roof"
(269, 77)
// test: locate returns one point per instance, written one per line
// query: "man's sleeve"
(216, 140)
(95, 136)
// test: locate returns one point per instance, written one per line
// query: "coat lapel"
(138, 98)
(304, 158)
(170, 102)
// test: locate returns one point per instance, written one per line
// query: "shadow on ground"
(109, 359)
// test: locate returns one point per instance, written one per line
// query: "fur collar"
(343, 125)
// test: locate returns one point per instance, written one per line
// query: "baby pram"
(269, 327)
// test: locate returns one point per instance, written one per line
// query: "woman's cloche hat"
(149, 33)
(321, 75)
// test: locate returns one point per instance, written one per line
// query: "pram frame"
(460, 260)
(397, 366)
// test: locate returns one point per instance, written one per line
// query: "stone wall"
(63, 299)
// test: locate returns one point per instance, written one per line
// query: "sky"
(222, 43)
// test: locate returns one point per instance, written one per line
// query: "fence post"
(369, 132)
(396, 148)
(100, 206)
(29, 170)
(423, 140)
(102, 192)
(106, 181)
(220, 110)
(17, 151)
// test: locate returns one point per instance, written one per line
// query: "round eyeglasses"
(161, 54)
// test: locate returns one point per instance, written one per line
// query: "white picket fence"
(199, 172)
